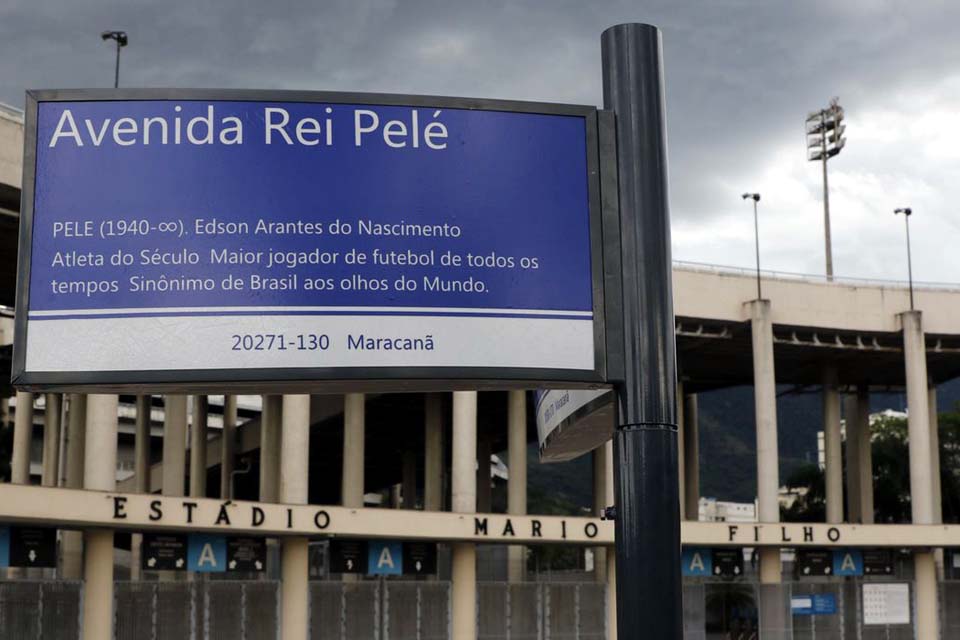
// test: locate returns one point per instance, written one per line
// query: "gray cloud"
(740, 75)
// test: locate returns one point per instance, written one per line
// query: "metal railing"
(362, 610)
(399, 610)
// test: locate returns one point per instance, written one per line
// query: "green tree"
(891, 470)
(950, 464)
(811, 505)
(891, 474)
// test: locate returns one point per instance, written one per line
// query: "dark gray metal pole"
(116, 68)
(906, 218)
(647, 522)
(907, 211)
(756, 237)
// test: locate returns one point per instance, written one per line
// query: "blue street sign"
(824, 604)
(206, 553)
(331, 234)
(817, 604)
(4, 547)
(847, 562)
(697, 561)
(384, 558)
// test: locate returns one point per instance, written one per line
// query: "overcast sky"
(741, 77)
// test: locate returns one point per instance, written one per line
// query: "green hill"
(727, 444)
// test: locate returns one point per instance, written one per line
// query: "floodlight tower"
(825, 140)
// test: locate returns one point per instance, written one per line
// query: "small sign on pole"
(348, 556)
(4, 547)
(877, 562)
(206, 553)
(33, 547)
(848, 562)
(728, 563)
(817, 604)
(885, 604)
(419, 558)
(164, 552)
(814, 562)
(384, 558)
(246, 554)
(697, 562)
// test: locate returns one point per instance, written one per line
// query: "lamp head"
(119, 36)
(752, 196)
(904, 210)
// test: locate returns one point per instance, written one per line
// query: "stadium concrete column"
(271, 414)
(433, 452)
(352, 478)
(517, 480)
(935, 469)
(409, 491)
(918, 418)
(464, 500)
(51, 439)
(198, 447)
(141, 444)
(484, 490)
(691, 457)
(611, 556)
(394, 495)
(933, 414)
(294, 486)
(921, 473)
(354, 434)
(925, 574)
(174, 470)
(228, 446)
(765, 401)
(851, 421)
(20, 456)
(141, 472)
(174, 444)
(76, 440)
(71, 542)
(22, 436)
(99, 474)
(864, 463)
(833, 444)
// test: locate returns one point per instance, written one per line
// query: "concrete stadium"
(418, 468)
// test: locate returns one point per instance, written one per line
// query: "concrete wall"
(11, 146)
(840, 306)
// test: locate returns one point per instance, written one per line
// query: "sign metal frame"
(604, 253)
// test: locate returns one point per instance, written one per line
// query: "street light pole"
(121, 38)
(907, 211)
(756, 234)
